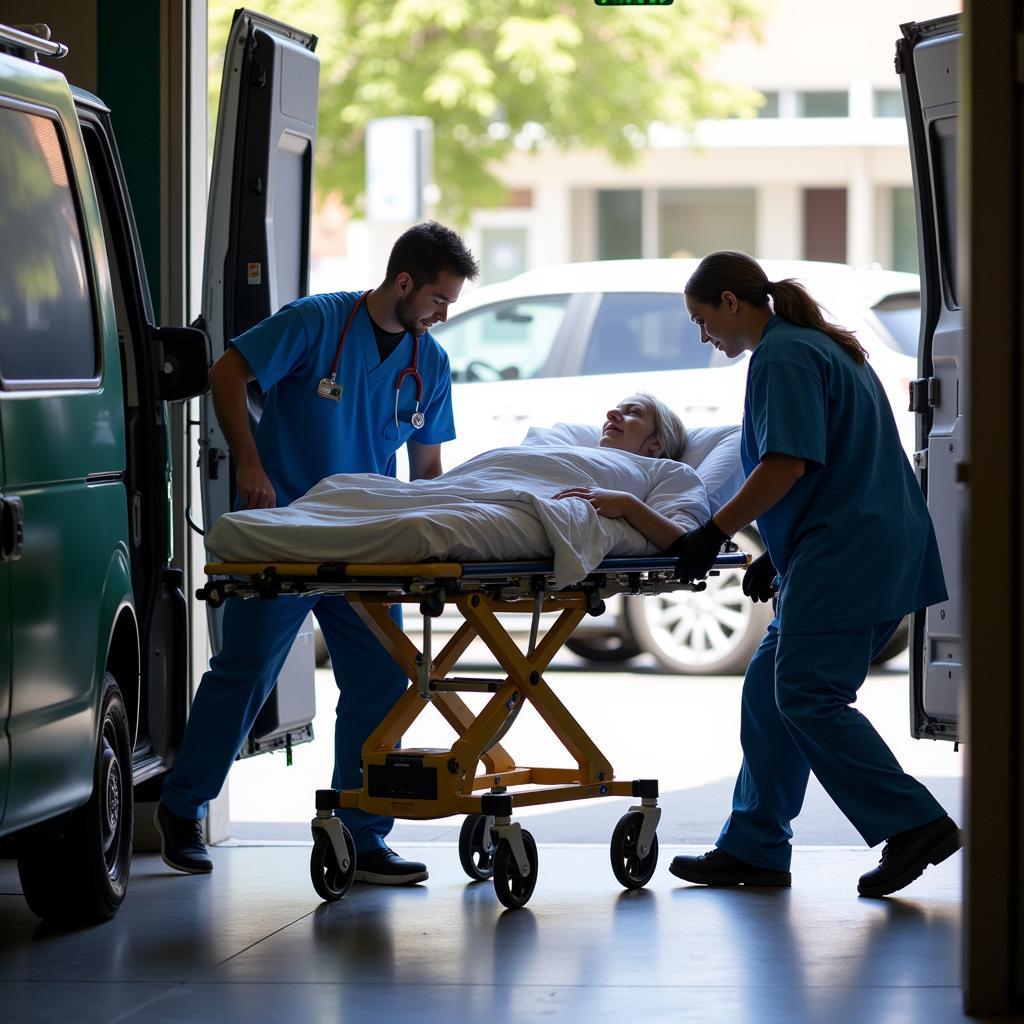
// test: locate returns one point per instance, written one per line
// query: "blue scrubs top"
(301, 437)
(853, 539)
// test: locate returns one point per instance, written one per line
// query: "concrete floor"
(253, 943)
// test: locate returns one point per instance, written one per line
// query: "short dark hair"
(427, 249)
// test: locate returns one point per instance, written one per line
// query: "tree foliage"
(495, 77)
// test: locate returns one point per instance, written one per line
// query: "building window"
(825, 224)
(770, 107)
(904, 230)
(888, 103)
(694, 222)
(823, 104)
(619, 224)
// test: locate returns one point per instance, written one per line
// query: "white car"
(566, 343)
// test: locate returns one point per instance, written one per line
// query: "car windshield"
(506, 341)
(900, 315)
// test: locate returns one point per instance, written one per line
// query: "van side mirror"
(183, 362)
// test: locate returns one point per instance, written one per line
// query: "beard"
(405, 316)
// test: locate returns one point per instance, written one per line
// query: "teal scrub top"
(853, 540)
(301, 437)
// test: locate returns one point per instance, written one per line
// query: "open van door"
(10, 539)
(257, 259)
(926, 61)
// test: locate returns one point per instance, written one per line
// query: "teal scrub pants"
(796, 718)
(257, 636)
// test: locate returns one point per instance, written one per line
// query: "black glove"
(759, 579)
(697, 551)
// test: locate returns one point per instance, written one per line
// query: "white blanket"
(496, 507)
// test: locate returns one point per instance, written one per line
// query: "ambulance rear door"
(257, 259)
(926, 60)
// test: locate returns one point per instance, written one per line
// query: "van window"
(507, 341)
(942, 148)
(47, 330)
(637, 332)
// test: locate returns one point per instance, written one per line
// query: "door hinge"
(12, 529)
(924, 394)
(921, 459)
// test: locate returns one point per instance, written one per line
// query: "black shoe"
(906, 855)
(181, 842)
(385, 867)
(716, 867)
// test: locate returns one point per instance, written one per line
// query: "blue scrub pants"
(257, 636)
(796, 718)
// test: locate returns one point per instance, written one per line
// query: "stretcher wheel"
(511, 888)
(476, 849)
(330, 882)
(632, 871)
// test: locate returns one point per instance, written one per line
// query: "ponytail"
(738, 273)
(793, 303)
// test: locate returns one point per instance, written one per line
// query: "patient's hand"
(610, 504)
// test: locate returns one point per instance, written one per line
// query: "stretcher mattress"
(497, 507)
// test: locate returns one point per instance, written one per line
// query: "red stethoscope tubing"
(410, 371)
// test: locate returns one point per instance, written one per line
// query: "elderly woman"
(643, 425)
(551, 499)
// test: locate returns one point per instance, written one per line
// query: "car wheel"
(604, 649)
(710, 632)
(83, 874)
(896, 644)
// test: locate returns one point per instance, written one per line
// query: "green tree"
(494, 76)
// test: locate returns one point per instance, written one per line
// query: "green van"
(93, 632)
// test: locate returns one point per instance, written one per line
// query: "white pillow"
(583, 435)
(713, 451)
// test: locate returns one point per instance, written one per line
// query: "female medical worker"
(349, 378)
(850, 540)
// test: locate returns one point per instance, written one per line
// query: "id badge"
(329, 389)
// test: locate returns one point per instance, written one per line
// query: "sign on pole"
(399, 168)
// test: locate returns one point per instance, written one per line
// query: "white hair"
(668, 428)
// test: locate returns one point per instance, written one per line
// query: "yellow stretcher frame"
(477, 776)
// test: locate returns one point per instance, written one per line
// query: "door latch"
(12, 529)
(214, 457)
(924, 394)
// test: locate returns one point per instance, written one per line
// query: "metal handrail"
(32, 42)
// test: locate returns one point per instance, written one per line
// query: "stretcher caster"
(330, 878)
(632, 869)
(476, 847)
(512, 887)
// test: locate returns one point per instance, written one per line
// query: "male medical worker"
(349, 378)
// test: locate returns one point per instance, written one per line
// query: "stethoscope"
(329, 387)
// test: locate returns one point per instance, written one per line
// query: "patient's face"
(629, 427)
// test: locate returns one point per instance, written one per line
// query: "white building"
(822, 173)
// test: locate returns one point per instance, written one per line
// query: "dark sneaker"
(906, 855)
(385, 867)
(716, 867)
(181, 842)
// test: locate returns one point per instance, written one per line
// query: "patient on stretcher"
(575, 504)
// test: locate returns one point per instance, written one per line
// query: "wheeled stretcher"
(476, 776)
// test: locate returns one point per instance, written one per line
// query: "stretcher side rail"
(511, 581)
